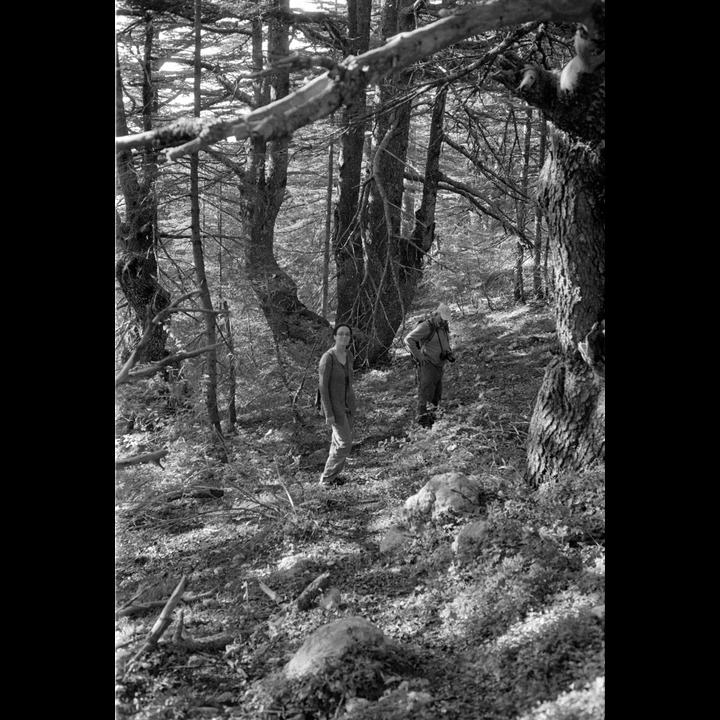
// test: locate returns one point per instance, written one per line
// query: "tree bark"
(567, 429)
(522, 212)
(210, 376)
(136, 269)
(347, 238)
(539, 289)
(262, 196)
(383, 271)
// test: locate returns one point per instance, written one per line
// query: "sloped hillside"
(504, 623)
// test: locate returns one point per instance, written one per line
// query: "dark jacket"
(336, 385)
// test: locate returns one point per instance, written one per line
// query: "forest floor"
(514, 631)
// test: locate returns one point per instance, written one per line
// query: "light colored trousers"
(340, 446)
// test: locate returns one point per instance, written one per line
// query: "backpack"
(433, 329)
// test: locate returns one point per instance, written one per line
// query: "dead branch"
(199, 493)
(153, 457)
(323, 95)
(204, 644)
(269, 592)
(309, 595)
(211, 642)
(136, 608)
(147, 334)
(127, 376)
(162, 623)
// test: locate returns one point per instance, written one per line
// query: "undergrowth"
(511, 628)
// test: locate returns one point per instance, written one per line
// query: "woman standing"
(338, 401)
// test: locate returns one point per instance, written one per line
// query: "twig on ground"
(161, 624)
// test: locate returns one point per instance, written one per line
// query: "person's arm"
(412, 340)
(325, 371)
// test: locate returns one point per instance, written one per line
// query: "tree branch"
(156, 367)
(174, 306)
(153, 457)
(325, 94)
(161, 624)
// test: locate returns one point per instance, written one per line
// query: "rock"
(470, 535)
(395, 538)
(442, 494)
(293, 565)
(331, 599)
(315, 459)
(332, 641)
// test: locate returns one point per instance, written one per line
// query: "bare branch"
(156, 367)
(325, 94)
(153, 457)
(174, 306)
(161, 624)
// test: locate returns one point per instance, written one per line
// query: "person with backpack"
(337, 401)
(429, 346)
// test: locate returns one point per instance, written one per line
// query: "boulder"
(470, 536)
(446, 493)
(332, 641)
(394, 540)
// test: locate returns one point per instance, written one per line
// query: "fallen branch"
(131, 375)
(153, 457)
(161, 624)
(174, 306)
(135, 608)
(211, 642)
(270, 593)
(200, 493)
(204, 644)
(309, 595)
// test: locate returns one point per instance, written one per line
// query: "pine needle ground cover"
(511, 628)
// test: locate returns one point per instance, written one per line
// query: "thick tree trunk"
(347, 240)
(567, 429)
(262, 196)
(378, 278)
(136, 269)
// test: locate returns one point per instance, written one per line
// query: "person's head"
(343, 332)
(443, 311)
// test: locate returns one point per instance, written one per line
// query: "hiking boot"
(337, 480)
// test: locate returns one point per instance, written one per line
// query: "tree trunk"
(347, 240)
(519, 287)
(136, 269)
(262, 197)
(328, 232)
(210, 376)
(522, 212)
(567, 429)
(538, 289)
(232, 381)
(384, 269)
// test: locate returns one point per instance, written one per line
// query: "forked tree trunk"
(378, 278)
(567, 429)
(262, 196)
(136, 269)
